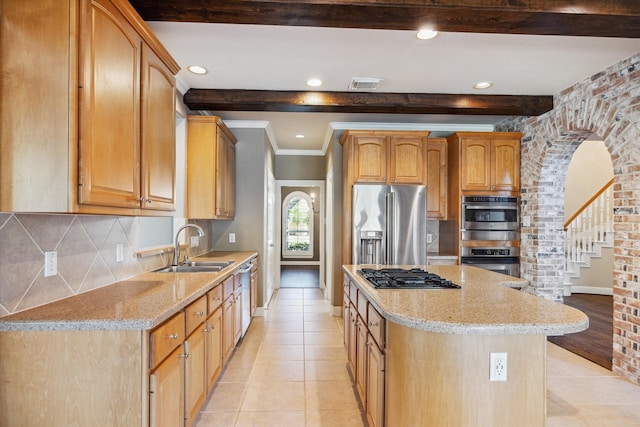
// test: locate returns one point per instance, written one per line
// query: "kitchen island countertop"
(139, 303)
(485, 304)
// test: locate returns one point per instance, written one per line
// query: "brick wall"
(607, 105)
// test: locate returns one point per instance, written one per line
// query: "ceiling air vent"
(364, 83)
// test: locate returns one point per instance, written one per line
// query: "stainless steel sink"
(190, 269)
(221, 264)
(197, 267)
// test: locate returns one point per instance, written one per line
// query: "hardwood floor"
(596, 343)
(294, 276)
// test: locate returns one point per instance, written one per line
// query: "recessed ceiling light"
(299, 136)
(314, 82)
(482, 85)
(426, 34)
(197, 69)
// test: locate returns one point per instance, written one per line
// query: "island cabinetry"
(104, 96)
(210, 168)
(365, 343)
(489, 162)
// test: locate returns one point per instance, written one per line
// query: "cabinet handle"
(367, 344)
(371, 324)
(173, 337)
(185, 355)
(200, 313)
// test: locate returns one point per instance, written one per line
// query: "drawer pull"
(200, 313)
(173, 337)
(372, 324)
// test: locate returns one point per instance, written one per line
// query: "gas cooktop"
(398, 278)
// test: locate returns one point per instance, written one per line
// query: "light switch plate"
(232, 237)
(195, 241)
(50, 263)
(119, 252)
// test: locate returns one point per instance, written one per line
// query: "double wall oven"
(490, 233)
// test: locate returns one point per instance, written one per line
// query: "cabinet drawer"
(376, 325)
(227, 287)
(215, 298)
(362, 307)
(353, 293)
(165, 338)
(196, 312)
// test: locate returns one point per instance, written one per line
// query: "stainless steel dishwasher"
(244, 274)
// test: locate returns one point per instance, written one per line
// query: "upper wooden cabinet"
(211, 156)
(101, 106)
(393, 157)
(488, 162)
(436, 165)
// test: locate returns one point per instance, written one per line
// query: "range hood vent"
(364, 83)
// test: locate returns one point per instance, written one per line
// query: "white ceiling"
(284, 58)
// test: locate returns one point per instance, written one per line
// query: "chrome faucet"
(176, 249)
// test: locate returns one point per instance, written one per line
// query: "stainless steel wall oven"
(490, 233)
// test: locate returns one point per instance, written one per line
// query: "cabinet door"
(166, 386)
(109, 115)
(375, 384)
(475, 164)
(505, 165)
(407, 165)
(195, 374)
(158, 133)
(214, 348)
(345, 320)
(237, 321)
(361, 358)
(370, 159)
(231, 180)
(351, 350)
(222, 153)
(228, 316)
(254, 290)
(437, 178)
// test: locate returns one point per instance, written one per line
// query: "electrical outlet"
(50, 263)
(429, 238)
(195, 241)
(526, 221)
(119, 252)
(498, 369)
(232, 237)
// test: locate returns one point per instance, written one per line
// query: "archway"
(606, 105)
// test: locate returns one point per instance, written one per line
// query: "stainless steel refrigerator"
(389, 224)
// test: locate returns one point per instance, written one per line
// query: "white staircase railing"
(588, 230)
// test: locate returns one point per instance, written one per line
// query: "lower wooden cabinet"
(237, 315)
(214, 348)
(195, 373)
(166, 391)
(364, 337)
(228, 331)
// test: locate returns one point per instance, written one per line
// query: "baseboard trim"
(336, 310)
(594, 290)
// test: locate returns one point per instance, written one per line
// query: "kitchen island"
(139, 352)
(424, 356)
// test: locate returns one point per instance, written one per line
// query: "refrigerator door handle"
(390, 228)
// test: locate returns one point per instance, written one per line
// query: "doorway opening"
(301, 231)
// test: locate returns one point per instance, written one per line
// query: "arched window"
(297, 226)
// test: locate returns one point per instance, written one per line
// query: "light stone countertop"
(139, 303)
(485, 304)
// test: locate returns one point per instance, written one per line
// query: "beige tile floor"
(290, 370)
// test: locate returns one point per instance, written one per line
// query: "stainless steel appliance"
(490, 218)
(397, 278)
(505, 260)
(389, 224)
(245, 278)
(490, 225)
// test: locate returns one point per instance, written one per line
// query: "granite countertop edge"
(36, 319)
(471, 328)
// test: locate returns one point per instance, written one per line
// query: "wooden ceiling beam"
(597, 18)
(365, 102)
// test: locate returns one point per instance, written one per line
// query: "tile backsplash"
(86, 253)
